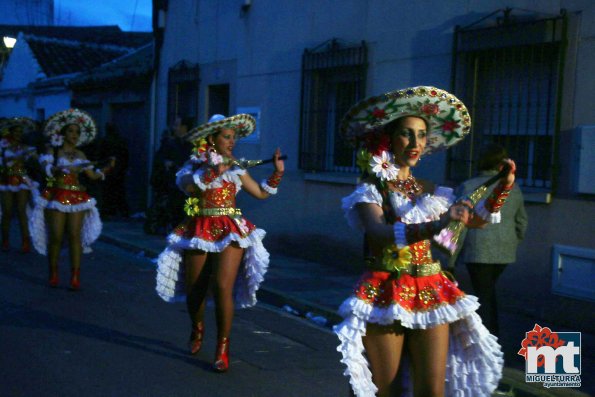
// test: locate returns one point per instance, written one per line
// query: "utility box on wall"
(573, 272)
(585, 154)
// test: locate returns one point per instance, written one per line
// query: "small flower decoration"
(56, 140)
(395, 259)
(214, 158)
(199, 151)
(192, 206)
(243, 226)
(384, 167)
(430, 109)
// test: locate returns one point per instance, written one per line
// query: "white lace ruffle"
(231, 175)
(364, 193)
(90, 231)
(490, 217)
(170, 270)
(23, 186)
(475, 359)
(426, 208)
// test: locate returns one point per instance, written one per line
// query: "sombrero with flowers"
(28, 125)
(85, 122)
(447, 117)
(243, 124)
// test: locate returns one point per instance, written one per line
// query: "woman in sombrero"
(16, 185)
(215, 227)
(64, 207)
(406, 314)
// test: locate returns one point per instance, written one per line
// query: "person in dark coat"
(114, 186)
(486, 252)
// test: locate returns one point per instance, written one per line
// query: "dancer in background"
(406, 313)
(64, 206)
(16, 186)
(216, 227)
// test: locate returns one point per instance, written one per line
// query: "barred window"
(510, 76)
(182, 91)
(333, 79)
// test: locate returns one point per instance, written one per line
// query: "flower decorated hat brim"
(55, 123)
(243, 124)
(447, 117)
(28, 125)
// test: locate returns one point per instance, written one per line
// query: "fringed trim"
(170, 275)
(490, 217)
(443, 314)
(23, 186)
(195, 243)
(56, 205)
(265, 186)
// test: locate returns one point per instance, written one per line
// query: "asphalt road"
(115, 337)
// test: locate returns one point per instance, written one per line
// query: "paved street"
(117, 338)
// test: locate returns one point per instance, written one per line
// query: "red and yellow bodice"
(213, 216)
(66, 189)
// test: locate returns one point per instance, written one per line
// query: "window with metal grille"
(182, 91)
(509, 76)
(333, 80)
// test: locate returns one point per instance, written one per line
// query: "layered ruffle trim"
(490, 217)
(170, 280)
(195, 243)
(428, 207)
(56, 205)
(17, 188)
(231, 175)
(90, 231)
(475, 359)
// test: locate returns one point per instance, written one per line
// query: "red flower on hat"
(450, 125)
(378, 113)
(430, 109)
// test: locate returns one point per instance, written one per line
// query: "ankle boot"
(221, 363)
(196, 337)
(53, 280)
(75, 283)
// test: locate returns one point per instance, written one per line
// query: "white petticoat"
(90, 231)
(170, 270)
(475, 360)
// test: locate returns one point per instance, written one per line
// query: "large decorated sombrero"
(85, 122)
(447, 117)
(28, 125)
(243, 124)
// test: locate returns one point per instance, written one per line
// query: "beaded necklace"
(409, 187)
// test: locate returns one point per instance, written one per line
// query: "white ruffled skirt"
(90, 231)
(170, 270)
(475, 360)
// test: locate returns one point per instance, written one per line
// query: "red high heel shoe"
(221, 363)
(26, 247)
(196, 337)
(75, 282)
(53, 281)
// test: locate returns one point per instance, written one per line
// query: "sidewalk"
(315, 291)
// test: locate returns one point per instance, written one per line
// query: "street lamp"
(9, 42)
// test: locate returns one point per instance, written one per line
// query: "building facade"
(522, 68)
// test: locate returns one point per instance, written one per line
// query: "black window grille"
(182, 91)
(510, 77)
(333, 79)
